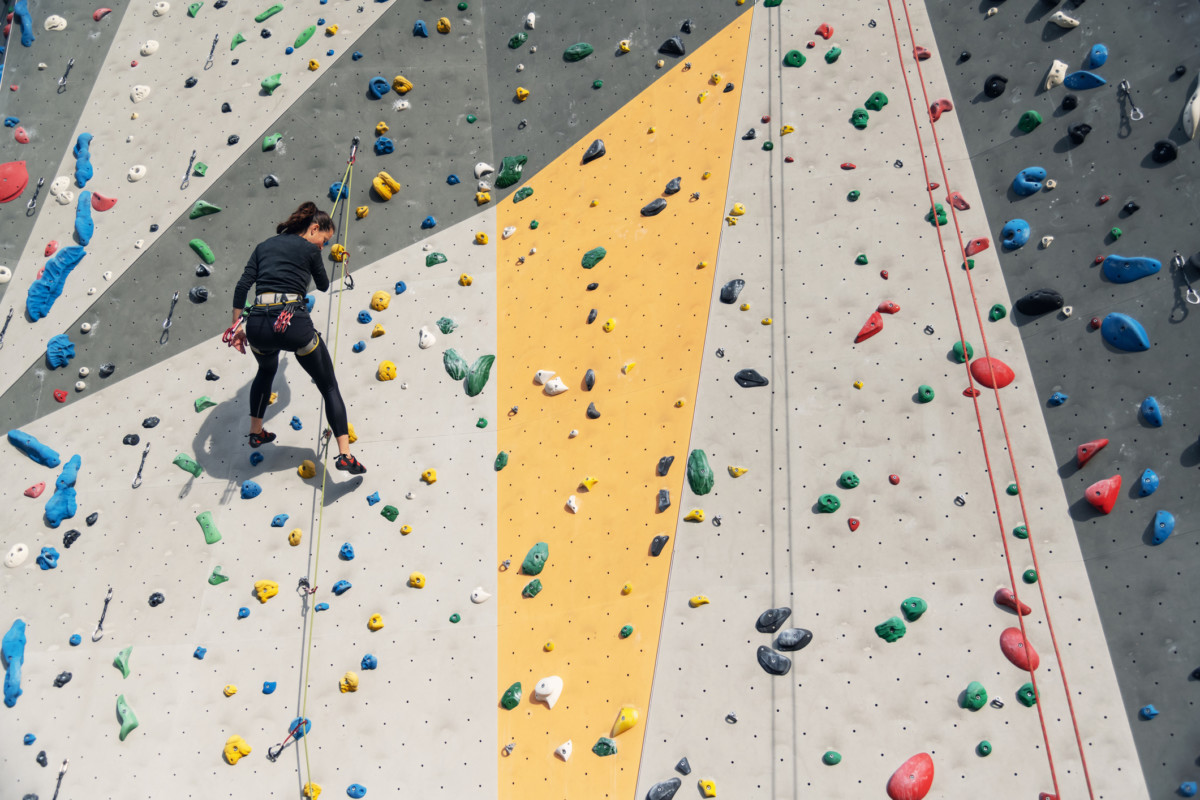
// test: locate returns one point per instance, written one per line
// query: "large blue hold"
(1014, 234)
(419, 29)
(21, 15)
(48, 558)
(369, 661)
(46, 289)
(1124, 333)
(83, 159)
(341, 587)
(1083, 80)
(1029, 181)
(84, 227)
(279, 520)
(30, 446)
(1097, 56)
(299, 727)
(59, 351)
(1164, 524)
(250, 489)
(1120, 269)
(384, 145)
(61, 504)
(346, 552)
(1149, 483)
(378, 87)
(1151, 412)
(12, 653)
(336, 191)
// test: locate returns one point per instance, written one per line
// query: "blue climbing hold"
(29, 739)
(369, 661)
(30, 446)
(329, 53)
(310, 300)
(384, 146)
(364, 317)
(1097, 56)
(378, 87)
(1014, 234)
(1151, 412)
(1149, 483)
(62, 505)
(1164, 524)
(1120, 269)
(453, 180)
(336, 191)
(373, 498)
(299, 727)
(346, 552)
(243, 612)
(296, 423)
(289, 50)
(279, 520)
(1057, 399)
(428, 223)
(356, 790)
(83, 160)
(46, 289)
(401, 287)
(59, 351)
(1124, 333)
(48, 559)
(320, 21)
(1188, 788)
(84, 226)
(1083, 80)
(356, 56)
(341, 587)
(21, 14)
(200, 653)
(268, 687)
(75, 640)
(1029, 181)
(1148, 712)
(359, 346)
(250, 490)
(12, 655)
(419, 29)
(321, 607)
(11, 122)
(256, 458)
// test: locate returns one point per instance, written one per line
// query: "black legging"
(265, 343)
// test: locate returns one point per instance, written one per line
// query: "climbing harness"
(62, 82)
(1176, 261)
(138, 480)
(166, 334)
(98, 634)
(1135, 113)
(61, 772)
(187, 175)
(208, 64)
(4, 330)
(31, 206)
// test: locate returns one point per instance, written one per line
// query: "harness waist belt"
(274, 299)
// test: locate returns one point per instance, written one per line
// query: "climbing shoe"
(261, 438)
(350, 464)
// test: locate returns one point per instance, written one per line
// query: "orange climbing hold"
(874, 325)
(992, 372)
(913, 780)
(1084, 452)
(977, 245)
(1018, 650)
(1103, 494)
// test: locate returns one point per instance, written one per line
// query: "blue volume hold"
(46, 289)
(27, 444)
(62, 504)
(1083, 80)
(21, 15)
(1120, 269)
(12, 655)
(1097, 56)
(84, 226)
(1014, 234)
(1149, 483)
(1151, 412)
(1029, 181)
(1164, 524)
(83, 160)
(1124, 333)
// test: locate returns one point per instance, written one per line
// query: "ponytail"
(304, 216)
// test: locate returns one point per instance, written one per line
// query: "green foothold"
(852, 197)
(832, 55)
(517, 40)
(771, 3)
(1029, 575)
(984, 748)
(217, 577)
(891, 629)
(121, 662)
(533, 224)
(471, 119)
(455, 618)
(768, 146)
(304, 36)
(481, 422)
(1115, 233)
(1029, 120)
(433, 259)
(532, 589)
(848, 480)
(203, 209)
(913, 608)
(512, 696)
(270, 141)
(188, 464)
(859, 118)
(597, 84)
(699, 473)
(593, 257)
(462, 6)
(963, 351)
(937, 215)
(510, 171)
(501, 461)
(831, 758)
(129, 720)
(456, 365)
(390, 513)
(194, 9)
(203, 250)
(270, 12)
(969, 265)
(203, 402)
(578, 52)
(876, 101)
(828, 503)
(605, 747)
(626, 631)
(477, 376)
(1021, 532)
(860, 259)
(535, 559)
(211, 535)
(997, 313)
(237, 39)
(1027, 696)
(270, 83)
(523, 193)
(446, 325)
(975, 697)
(924, 393)
(200, 169)
(1012, 490)
(794, 58)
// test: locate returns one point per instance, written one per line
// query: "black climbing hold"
(41, 758)
(226, 108)
(211, 376)
(203, 270)
(62, 679)
(190, 82)
(683, 767)
(107, 369)
(265, 33)
(592, 413)
(91, 518)
(653, 207)
(672, 47)
(233, 139)
(964, 56)
(594, 151)
(131, 439)
(770, 620)
(220, 3)
(1130, 207)
(994, 85)
(70, 537)
(664, 790)
(154, 227)
(1039, 301)
(149, 422)
(592, 316)
(773, 662)
(731, 290)
(589, 379)
(748, 135)
(663, 502)
(748, 378)
(235, 61)
(658, 543)
(1070, 102)
(157, 599)
(198, 294)
(270, 181)
(1164, 152)
(591, 287)
(1196, 674)
(1180, 71)
(794, 639)
(686, 27)
(672, 186)
(1079, 132)
(664, 466)
(728, 88)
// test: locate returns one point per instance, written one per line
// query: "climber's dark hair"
(302, 217)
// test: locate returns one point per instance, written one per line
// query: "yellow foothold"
(361, 212)
(522, 94)
(626, 719)
(858, 384)
(377, 331)
(401, 85)
(548, 646)
(695, 515)
(313, 65)
(651, 129)
(405, 530)
(737, 472)
(294, 537)
(380, 300)
(738, 210)
(703, 265)
(353, 435)
(700, 98)
(307, 469)
(465, 280)
(628, 368)
(715, 78)
(338, 252)
(375, 622)
(745, 306)
(381, 128)
(134, 115)
(416, 580)
(481, 238)
(481, 198)
(235, 748)
(708, 787)
(731, 220)
(699, 600)
(627, 589)
(588, 483)
(609, 324)
(230, 690)
(429, 476)
(624, 46)
(331, 30)
(706, 176)
(595, 203)
(265, 590)
(766, 321)
(274, 397)
(387, 371)
(443, 25)
(311, 791)
(680, 403)
(348, 683)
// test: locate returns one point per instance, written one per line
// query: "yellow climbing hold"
(628, 368)
(745, 306)
(307, 469)
(766, 321)
(700, 98)
(522, 94)
(375, 622)
(627, 589)
(361, 211)
(737, 472)
(348, 683)
(548, 646)
(294, 537)
(482, 198)
(715, 78)
(378, 330)
(624, 46)
(680, 403)
(651, 129)
(401, 85)
(626, 719)
(353, 435)
(737, 210)
(235, 748)
(331, 30)
(706, 176)
(588, 483)
(858, 384)
(695, 515)
(405, 530)
(265, 590)
(702, 265)
(708, 787)
(311, 791)
(385, 185)
(699, 600)
(386, 372)
(731, 220)
(443, 25)
(416, 580)
(230, 690)
(595, 203)
(313, 65)
(481, 238)
(429, 476)
(786, 129)
(465, 280)
(609, 324)
(273, 398)
(381, 128)
(380, 300)
(338, 252)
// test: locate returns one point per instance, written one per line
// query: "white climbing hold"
(478, 595)
(139, 93)
(520, 67)
(1191, 114)
(17, 555)
(149, 47)
(65, 197)
(1047, 241)
(409, 496)
(59, 185)
(563, 751)
(136, 173)
(574, 432)
(107, 275)
(55, 23)
(403, 384)
(161, 7)
(401, 105)
(138, 244)
(542, 375)
(85, 327)
(482, 169)
(572, 504)
(555, 386)
(1068, 310)
(530, 20)
(426, 339)
(1063, 21)
(509, 231)
(1058, 71)
(43, 65)
(993, 11)
(548, 690)
(84, 372)
(1050, 184)
(91, 291)
(483, 186)
(80, 386)
(5, 275)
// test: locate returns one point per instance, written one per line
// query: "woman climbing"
(278, 320)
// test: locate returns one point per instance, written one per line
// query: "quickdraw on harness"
(283, 320)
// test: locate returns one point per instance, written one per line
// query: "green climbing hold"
(217, 577)
(237, 39)
(859, 118)
(578, 52)
(969, 265)
(455, 618)
(913, 608)
(270, 141)
(125, 714)
(523, 193)
(304, 36)
(626, 631)
(471, 119)
(828, 503)
(501, 461)
(975, 697)
(1029, 575)
(984, 748)
(270, 83)
(390, 513)
(204, 251)
(1012, 490)
(477, 376)
(768, 146)
(532, 588)
(456, 365)
(203, 402)
(1021, 532)
(833, 54)
(270, 12)
(188, 464)
(1027, 696)
(831, 758)
(1115, 233)
(433, 259)
(597, 84)
(510, 171)
(593, 257)
(771, 3)
(194, 9)
(924, 393)
(446, 325)
(203, 209)
(533, 224)
(535, 559)
(699, 473)
(794, 58)
(963, 352)
(891, 629)
(462, 6)
(512, 696)
(121, 662)
(211, 536)
(937, 215)
(605, 747)
(876, 101)
(200, 169)
(517, 40)
(860, 259)
(481, 422)
(854, 195)
(1029, 120)
(848, 480)
(997, 313)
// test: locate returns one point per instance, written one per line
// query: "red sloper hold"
(977, 245)
(922, 53)
(853, 522)
(1103, 494)
(51, 248)
(913, 780)
(847, 165)
(36, 490)
(1006, 598)
(21, 135)
(102, 202)
(939, 107)
(101, 13)
(825, 30)
(13, 180)
(874, 325)
(1084, 452)
(1018, 650)
(958, 201)
(888, 307)
(983, 370)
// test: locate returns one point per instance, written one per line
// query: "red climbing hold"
(958, 201)
(1098, 260)
(933, 186)
(883, 273)
(133, 63)
(100, 13)
(874, 325)
(992, 372)
(894, 479)
(1094, 323)
(853, 523)
(938, 107)
(811, 45)
(21, 135)
(13, 179)
(825, 31)
(1084, 452)
(60, 395)
(788, 159)
(1047, 796)
(102, 202)
(847, 165)
(51, 248)
(1103, 494)
(1018, 650)
(922, 53)
(766, 118)
(1006, 598)
(36, 490)
(1103, 199)
(970, 391)
(913, 780)
(978, 245)
(888, 307)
